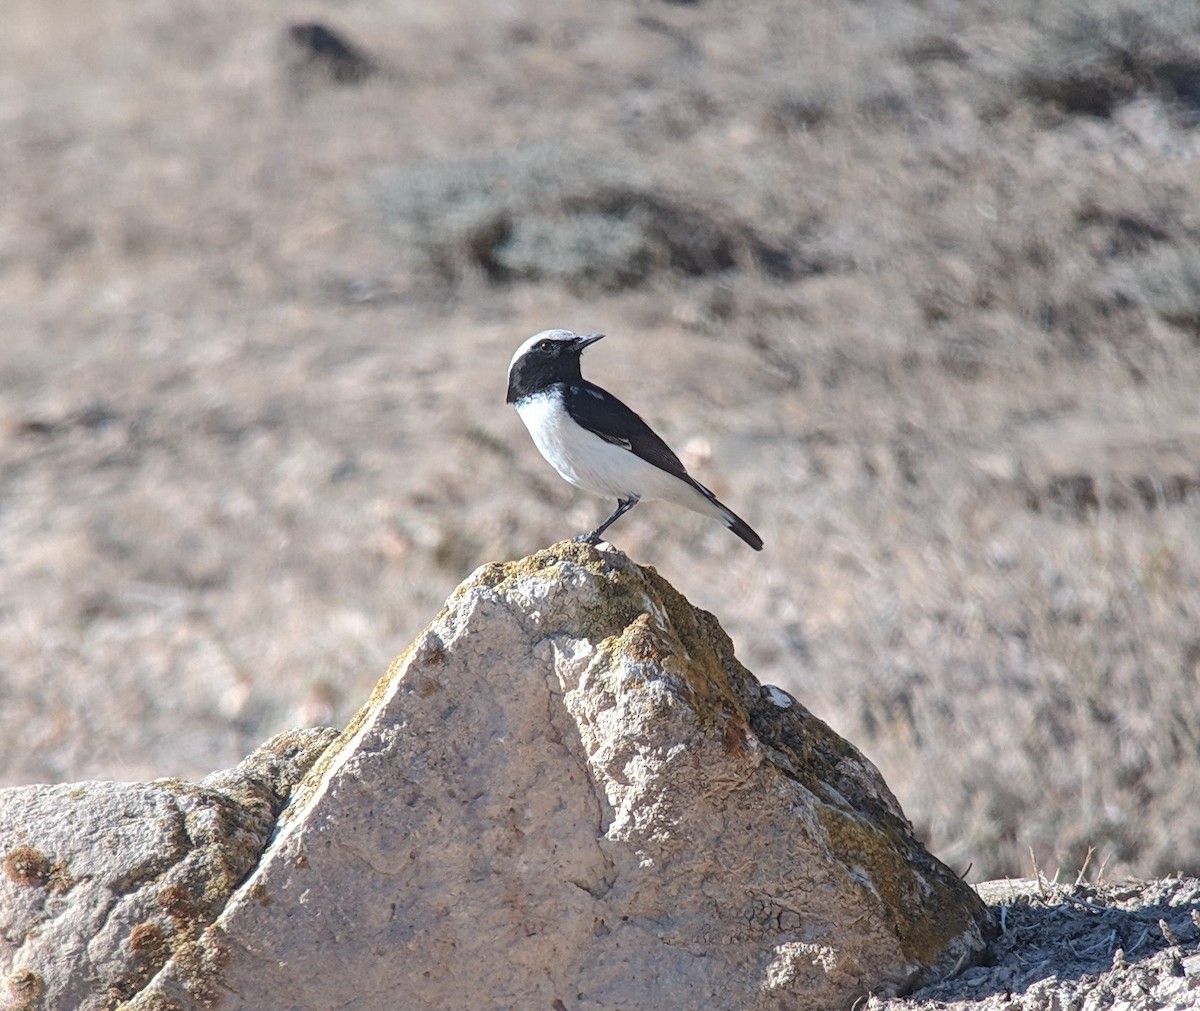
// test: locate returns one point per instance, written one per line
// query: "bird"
(597, 443)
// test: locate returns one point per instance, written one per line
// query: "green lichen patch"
(702, 656)
(926, 905)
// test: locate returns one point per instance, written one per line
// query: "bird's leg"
(623, 506)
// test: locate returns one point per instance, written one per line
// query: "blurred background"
(913, 286)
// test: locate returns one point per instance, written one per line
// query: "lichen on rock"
(568, 785)
(566, 792)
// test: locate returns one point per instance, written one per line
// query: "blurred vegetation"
(914, 287)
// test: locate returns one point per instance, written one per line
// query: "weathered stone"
(568, 793)
(101, 883)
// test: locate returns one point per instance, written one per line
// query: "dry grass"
(248, 444)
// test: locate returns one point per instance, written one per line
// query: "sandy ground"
(914, 288)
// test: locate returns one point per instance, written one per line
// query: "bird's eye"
(543, 345)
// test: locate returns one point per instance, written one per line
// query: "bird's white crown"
(545, 335)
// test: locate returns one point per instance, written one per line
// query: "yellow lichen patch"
(641, 642)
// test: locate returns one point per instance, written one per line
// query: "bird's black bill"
(584, 339)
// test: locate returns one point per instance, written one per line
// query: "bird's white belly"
(590, 463)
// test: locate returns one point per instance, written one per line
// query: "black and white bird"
(595, 441)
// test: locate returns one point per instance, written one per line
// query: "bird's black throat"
(540, 368)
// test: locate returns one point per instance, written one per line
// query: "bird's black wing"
(604, 415)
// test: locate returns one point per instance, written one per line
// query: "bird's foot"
(593, 538)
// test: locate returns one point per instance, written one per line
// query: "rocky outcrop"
(102, 883)
(567, 793)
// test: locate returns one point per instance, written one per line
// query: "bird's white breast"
(584, 459)
(590, 463)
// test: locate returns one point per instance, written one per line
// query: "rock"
(566, 793)
(103, 882)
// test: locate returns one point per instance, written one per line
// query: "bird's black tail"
(731, 519)
(740, 527)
